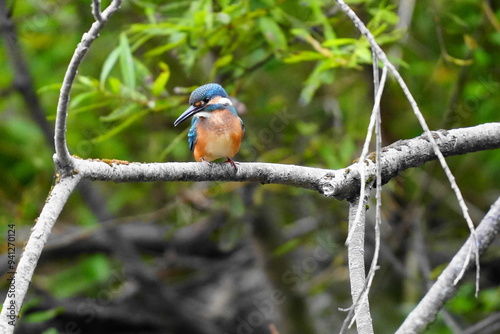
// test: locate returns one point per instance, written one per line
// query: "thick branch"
(340, 184)
(63, 157)
(39, 235)
(444, 288)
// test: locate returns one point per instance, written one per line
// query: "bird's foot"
(206, 162)
(232, 162)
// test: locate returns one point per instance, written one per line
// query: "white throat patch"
(225, 101)
(205, 114)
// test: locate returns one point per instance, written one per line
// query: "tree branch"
(444, 288)
(63, 159)
(96, 10)
(340, 184)
(39, 235)
(420, 117)
(356, 251)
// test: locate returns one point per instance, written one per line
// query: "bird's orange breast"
(218, 136)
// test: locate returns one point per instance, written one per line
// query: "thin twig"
(366, 146)
(96, 10)
(62, 156)
(382, 56)
(356, 259)
(378, 187)
(376, 120)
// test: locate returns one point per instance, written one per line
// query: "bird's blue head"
(200, 98)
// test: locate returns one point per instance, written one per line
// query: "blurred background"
(225, 257)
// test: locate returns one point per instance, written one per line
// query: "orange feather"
(218, 136)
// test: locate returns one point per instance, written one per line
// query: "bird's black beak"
(188, 113)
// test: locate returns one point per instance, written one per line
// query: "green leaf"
(173, 144)
(127, 62)
(115, 85)
(307, 128)
(164, 48)
(299, 32)
(489, 299)
(273, 34)
(221, 62)
(108, 65)
(51, 331)
(321, 74)
(384, 15)
(338, 42)
(91, 106)
(78, 99)
(81, 276)
(43, 316)
(161, 81)
(88, 81)
(390, 37)
(46, 88)
(287, 247)
(303, 56)
(120, 127)
(121, 112)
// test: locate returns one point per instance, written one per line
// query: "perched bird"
(216, 130)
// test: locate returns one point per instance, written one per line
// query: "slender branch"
(444, 288)
(378, 185)
(63, 158)
(354, 255)
(416, 110)
(364, 153)
(96, 10)
(39, 235)
(356, 251)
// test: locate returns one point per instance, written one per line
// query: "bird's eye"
(205, 100)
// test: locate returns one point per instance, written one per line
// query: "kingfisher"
(216, 129)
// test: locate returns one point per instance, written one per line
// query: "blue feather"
(205, 91)
(192, 133)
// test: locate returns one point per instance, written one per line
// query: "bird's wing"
(192, 133)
